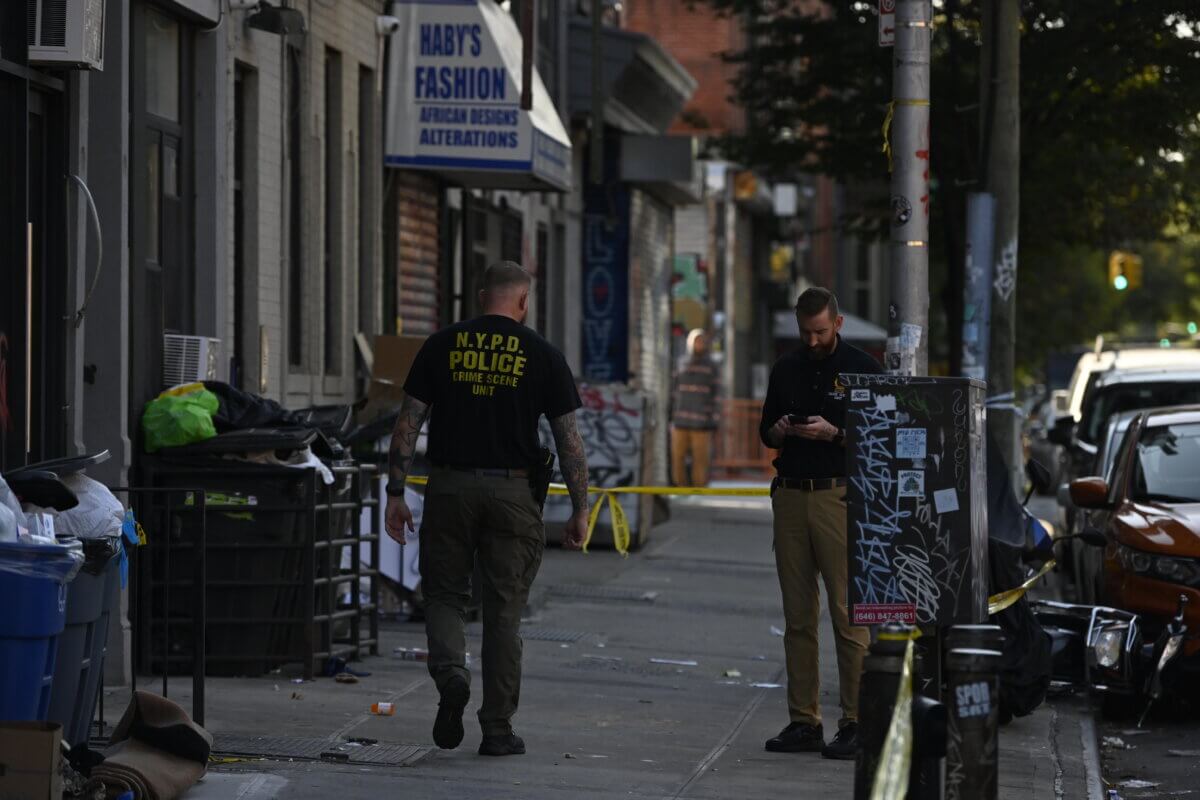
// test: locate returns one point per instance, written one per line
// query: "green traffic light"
(1120, 283)
(1192, 328)
(1164, 343)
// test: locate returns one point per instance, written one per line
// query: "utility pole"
(1000, 72)
(908, 315)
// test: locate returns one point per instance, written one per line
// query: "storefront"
(462, 154)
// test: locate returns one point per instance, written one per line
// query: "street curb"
(1091, 757)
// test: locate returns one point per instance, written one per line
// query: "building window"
(245, 282)
(295, 209)
(366, 200)
(333, 212)
(162, 66)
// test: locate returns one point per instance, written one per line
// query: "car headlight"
(1167, 568)
(1108, 648)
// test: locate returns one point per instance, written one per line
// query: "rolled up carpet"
(156, 751)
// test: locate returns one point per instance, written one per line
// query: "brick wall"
(348, 27)
(695, 39)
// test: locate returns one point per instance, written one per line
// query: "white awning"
(854, 329)
(453, 99)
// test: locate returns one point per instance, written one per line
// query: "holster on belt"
(540, 475)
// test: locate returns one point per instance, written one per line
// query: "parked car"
(1148, 509)
(1087, 561)
(1101, 360)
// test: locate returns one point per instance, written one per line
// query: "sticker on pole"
(887, 23)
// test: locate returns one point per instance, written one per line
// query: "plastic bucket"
(33, 594)
(83, 642)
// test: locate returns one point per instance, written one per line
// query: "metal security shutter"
(417, 252)
(651, 244)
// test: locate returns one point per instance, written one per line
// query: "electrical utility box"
(916, 500)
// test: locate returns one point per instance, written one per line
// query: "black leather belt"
(810, 484)
(488, 473)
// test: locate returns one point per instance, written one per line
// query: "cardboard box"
(392, 356)
(30, 761)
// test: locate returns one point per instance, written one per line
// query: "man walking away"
(803, 417)
(484, 383)
(693, 413)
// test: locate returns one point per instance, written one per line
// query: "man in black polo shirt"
(803, 417)
(487, 381)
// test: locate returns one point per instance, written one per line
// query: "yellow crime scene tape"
(1001, 601)
(620, 522)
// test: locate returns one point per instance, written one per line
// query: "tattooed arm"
(400, 456)
(573, 463)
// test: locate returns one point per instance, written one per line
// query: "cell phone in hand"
(799, 419)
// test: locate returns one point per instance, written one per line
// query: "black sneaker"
(798, 738)
(448, 727)
(508, 744)
(845, 745)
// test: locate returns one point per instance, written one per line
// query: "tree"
(1110, 94)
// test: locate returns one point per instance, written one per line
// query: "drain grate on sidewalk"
(582, 592)
(279, 748)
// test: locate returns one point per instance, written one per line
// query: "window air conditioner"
(188, 359)
(65, 33)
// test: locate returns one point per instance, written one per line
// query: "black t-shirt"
(488, 380)
(809, 387)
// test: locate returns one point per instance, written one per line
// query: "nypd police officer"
(484, 384)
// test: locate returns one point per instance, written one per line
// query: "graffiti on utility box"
(916, 500)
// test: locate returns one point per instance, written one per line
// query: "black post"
(876, 701)
(972, 749)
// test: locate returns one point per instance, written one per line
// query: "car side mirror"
(1038, 475)
(1061, 431)
(1090, 493)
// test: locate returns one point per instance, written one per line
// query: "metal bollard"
(929, 743)
(972, 747)
(876, 701)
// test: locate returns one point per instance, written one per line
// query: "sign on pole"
(887, 23)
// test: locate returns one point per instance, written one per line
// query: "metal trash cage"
(272, 539)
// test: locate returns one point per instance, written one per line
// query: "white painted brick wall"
(347, 26)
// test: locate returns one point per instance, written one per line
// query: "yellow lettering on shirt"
(487, 361)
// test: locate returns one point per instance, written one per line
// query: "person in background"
(693, 413)
(803, 417)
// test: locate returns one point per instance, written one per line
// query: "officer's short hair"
(815, 300)
(504, 275)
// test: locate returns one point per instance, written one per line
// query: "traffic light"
(1124, 270)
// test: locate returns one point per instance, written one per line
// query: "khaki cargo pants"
(810, 538)
(494, 519)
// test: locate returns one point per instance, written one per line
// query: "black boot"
(798, 738)
(508, 744)
(845, 744)
(448, 727)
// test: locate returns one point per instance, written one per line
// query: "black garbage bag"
(241, 410)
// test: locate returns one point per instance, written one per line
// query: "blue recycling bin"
(83, 642)
(33, 604)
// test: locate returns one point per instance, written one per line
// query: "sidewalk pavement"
(599, 717)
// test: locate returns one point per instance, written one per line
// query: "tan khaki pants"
(810, 538)
(699, 444)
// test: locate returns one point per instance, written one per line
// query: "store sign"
(454, 97)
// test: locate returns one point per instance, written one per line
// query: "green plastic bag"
(175, 420)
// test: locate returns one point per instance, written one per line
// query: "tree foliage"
(1110, 133)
